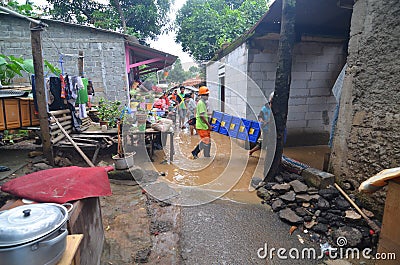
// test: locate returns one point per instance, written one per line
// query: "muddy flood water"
(228, 173)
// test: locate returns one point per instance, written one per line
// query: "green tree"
(203, 26)
(142, 18)
(177, 73)
(27, 9)
(194, 71)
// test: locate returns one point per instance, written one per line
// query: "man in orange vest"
(203, 127)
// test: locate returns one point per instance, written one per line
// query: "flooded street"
(226, 175)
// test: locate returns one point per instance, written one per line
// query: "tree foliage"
(142, 18)
(27, 9)
(177, 74)
(203, 26)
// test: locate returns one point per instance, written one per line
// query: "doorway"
(222, 92)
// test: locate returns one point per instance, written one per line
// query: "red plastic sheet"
(60, 185)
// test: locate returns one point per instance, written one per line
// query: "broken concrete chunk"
(352, 215)
(369, 214)
(263, 193)
(288, 196)
(298, 186)
(277, 205)
(317, 178)
(290, 216)
(323, 204)
(281, 187)
(303, 198)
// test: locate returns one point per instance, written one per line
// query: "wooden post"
(80, 64)
(282, 80)
(36, 41)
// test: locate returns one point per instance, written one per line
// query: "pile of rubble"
(324, 215)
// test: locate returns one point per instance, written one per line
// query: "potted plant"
(108, 112)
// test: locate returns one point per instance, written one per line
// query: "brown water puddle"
(229, 171)
(309, 155)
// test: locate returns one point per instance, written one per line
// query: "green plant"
(109, 111)
(11, 66)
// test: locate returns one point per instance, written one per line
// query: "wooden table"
(95, 132)
(153, 134)
(72, 251)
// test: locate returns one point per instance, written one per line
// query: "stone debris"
(303, 198)
(288, 196)
(324, 213)
(352, 215)
(290, 216)
(298, 186)
(263, 193)
(281, 187)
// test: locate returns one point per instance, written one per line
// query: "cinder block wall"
(104, 52)
(212, 84)
(367, 139)
(315, 67)
(234, 68)
(236, 81)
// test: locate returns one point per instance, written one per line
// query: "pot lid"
(30, 222)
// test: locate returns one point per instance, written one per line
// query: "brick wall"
(104, 52)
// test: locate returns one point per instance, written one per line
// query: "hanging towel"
(63, 93)
(83, 92)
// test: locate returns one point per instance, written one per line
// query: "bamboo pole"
(73, 143)
(371, 223)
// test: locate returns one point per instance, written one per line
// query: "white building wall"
(212, 84)
(236, 81)
(234, 68)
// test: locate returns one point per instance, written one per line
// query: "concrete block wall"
(104, 53)
(315, 67)
(234, 67)
(236, 81)
(213, 86)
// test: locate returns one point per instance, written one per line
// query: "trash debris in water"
(301, 240)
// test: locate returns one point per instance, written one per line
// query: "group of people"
(194, 112)
(197, 118)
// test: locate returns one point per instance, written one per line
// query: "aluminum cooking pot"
(34, 234)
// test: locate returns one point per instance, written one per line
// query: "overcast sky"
(165, 42)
